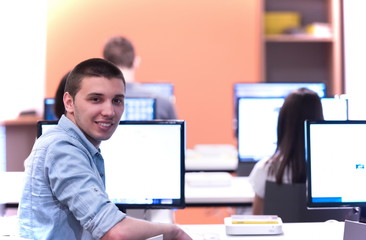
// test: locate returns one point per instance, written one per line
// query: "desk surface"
(238, 192)
(291, 231)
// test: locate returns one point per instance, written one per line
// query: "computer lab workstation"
(173, 178)
(152, 156)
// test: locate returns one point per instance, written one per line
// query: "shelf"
(297, 38)
(313, 54)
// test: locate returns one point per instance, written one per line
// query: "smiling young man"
(64, 194)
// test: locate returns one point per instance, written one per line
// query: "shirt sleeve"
(258, 177)
(76, 184)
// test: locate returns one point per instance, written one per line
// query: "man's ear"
(68, 102)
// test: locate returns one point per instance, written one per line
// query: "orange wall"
(202, 46)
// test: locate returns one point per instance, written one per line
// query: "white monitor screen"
(257, 124)
(336, 160)
(144, 163)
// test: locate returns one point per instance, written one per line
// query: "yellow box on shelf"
(278, 22)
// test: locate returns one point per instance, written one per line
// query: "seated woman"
(287, 164)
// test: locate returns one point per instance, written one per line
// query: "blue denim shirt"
(64, 195)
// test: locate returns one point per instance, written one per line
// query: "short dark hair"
(120, 51)
(96, 67)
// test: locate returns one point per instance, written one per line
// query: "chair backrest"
(288, 201)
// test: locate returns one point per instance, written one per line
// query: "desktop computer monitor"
(144, 163)
(257, 124)
(141, 108)
(270, 90)
(48, 109)
(335, 156)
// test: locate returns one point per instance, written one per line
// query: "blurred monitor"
(139, 109)
(257, 124)
(144, 163)
(48, 109)
(270, 90)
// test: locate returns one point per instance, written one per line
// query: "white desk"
(10, 186)
(291, 231)
(238, 193)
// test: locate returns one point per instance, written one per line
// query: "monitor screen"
(135, 109)
(48, 110)
(161, 89)
(139, 109)
(144, 163)
(270, 90)
(336, 163)
(257, 130)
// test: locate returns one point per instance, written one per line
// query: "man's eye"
(118, 101)
(95, 99)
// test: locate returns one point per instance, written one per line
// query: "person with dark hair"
(64, 196)
(287, 164)
(59, 107)
(121, 52)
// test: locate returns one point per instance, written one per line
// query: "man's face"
(97, 107)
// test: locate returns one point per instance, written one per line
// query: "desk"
(11, 187)
(238, 193)
(291, 231)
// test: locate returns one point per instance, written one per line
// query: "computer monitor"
(257, 124)
(270, 90)
(335, 155)
(144, 163)
(48, 109)
(160, 89)
(141, 108)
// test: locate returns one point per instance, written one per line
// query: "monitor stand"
(355, 230)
